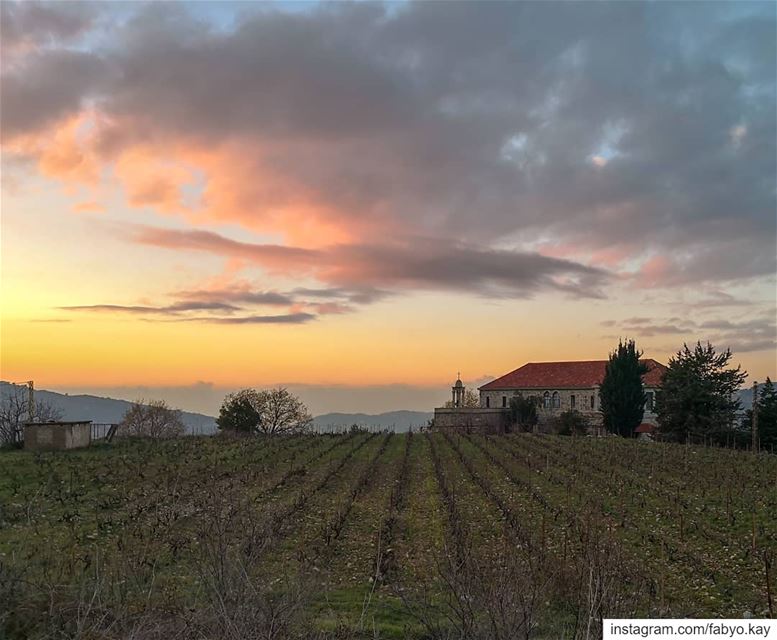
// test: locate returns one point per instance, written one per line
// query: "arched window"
(593, 402)
(556, 400)
(488, 402)
(504, 401)
(572, 401)
(546, 400)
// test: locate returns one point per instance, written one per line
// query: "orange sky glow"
(396, 231)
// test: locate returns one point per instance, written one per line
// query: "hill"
(110, 410)
(107, 410)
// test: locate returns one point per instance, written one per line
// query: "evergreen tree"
(621, 394)
(239, 412)
(698, 397)
(766, 408)
(523, 412)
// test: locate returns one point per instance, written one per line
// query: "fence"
(101, 430)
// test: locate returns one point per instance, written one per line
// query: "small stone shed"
(57, 435)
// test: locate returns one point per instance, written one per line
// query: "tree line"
(697, 399)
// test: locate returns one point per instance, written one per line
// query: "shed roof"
(56, 423)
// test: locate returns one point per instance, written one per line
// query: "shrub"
(571, 423)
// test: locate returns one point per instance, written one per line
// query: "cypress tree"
(621, 394)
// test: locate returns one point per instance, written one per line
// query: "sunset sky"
(360, 200)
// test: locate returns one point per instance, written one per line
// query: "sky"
(360, 200)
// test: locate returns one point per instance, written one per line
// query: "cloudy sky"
(360, 197)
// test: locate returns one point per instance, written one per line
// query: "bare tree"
(152, 420)
(281, 412)
(15, 412)
(270, 411)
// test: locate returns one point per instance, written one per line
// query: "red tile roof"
(567, 375)
(645, 427)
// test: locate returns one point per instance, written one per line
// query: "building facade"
(564, 386)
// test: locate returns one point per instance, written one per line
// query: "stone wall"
(584, 400)
(57, 435)
(472, 419)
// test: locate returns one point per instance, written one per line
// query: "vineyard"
(381, 535)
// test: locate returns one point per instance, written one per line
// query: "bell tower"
(458, 392)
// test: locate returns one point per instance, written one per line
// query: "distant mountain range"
(109, 410)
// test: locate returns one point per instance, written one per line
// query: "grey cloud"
(336, 299)
(288, 318)
(738, 345)
(361, 275)
(720, 299)
(427, 264)
(266, 254)
(168, 309)
(240, 295)
(225, 299)
(48, 86)
(177, 316)
(638, 321)
(32, 23)
(355, 296)
(417, 263)
(757, 333)
(472, 120)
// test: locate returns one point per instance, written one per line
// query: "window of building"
(593, 402)
(649, 401)
(504, 401)
(546, 400)
(556, 400)
(488, 402)
(572, 401)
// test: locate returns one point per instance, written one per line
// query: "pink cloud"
(655, 272)
(62, 151)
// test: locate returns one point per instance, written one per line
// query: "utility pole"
(30, 401)
(755, 417)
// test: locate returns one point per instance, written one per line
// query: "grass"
(154, 531)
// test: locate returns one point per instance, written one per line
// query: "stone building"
(561, 386)
(57, 435)
(557, 386)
